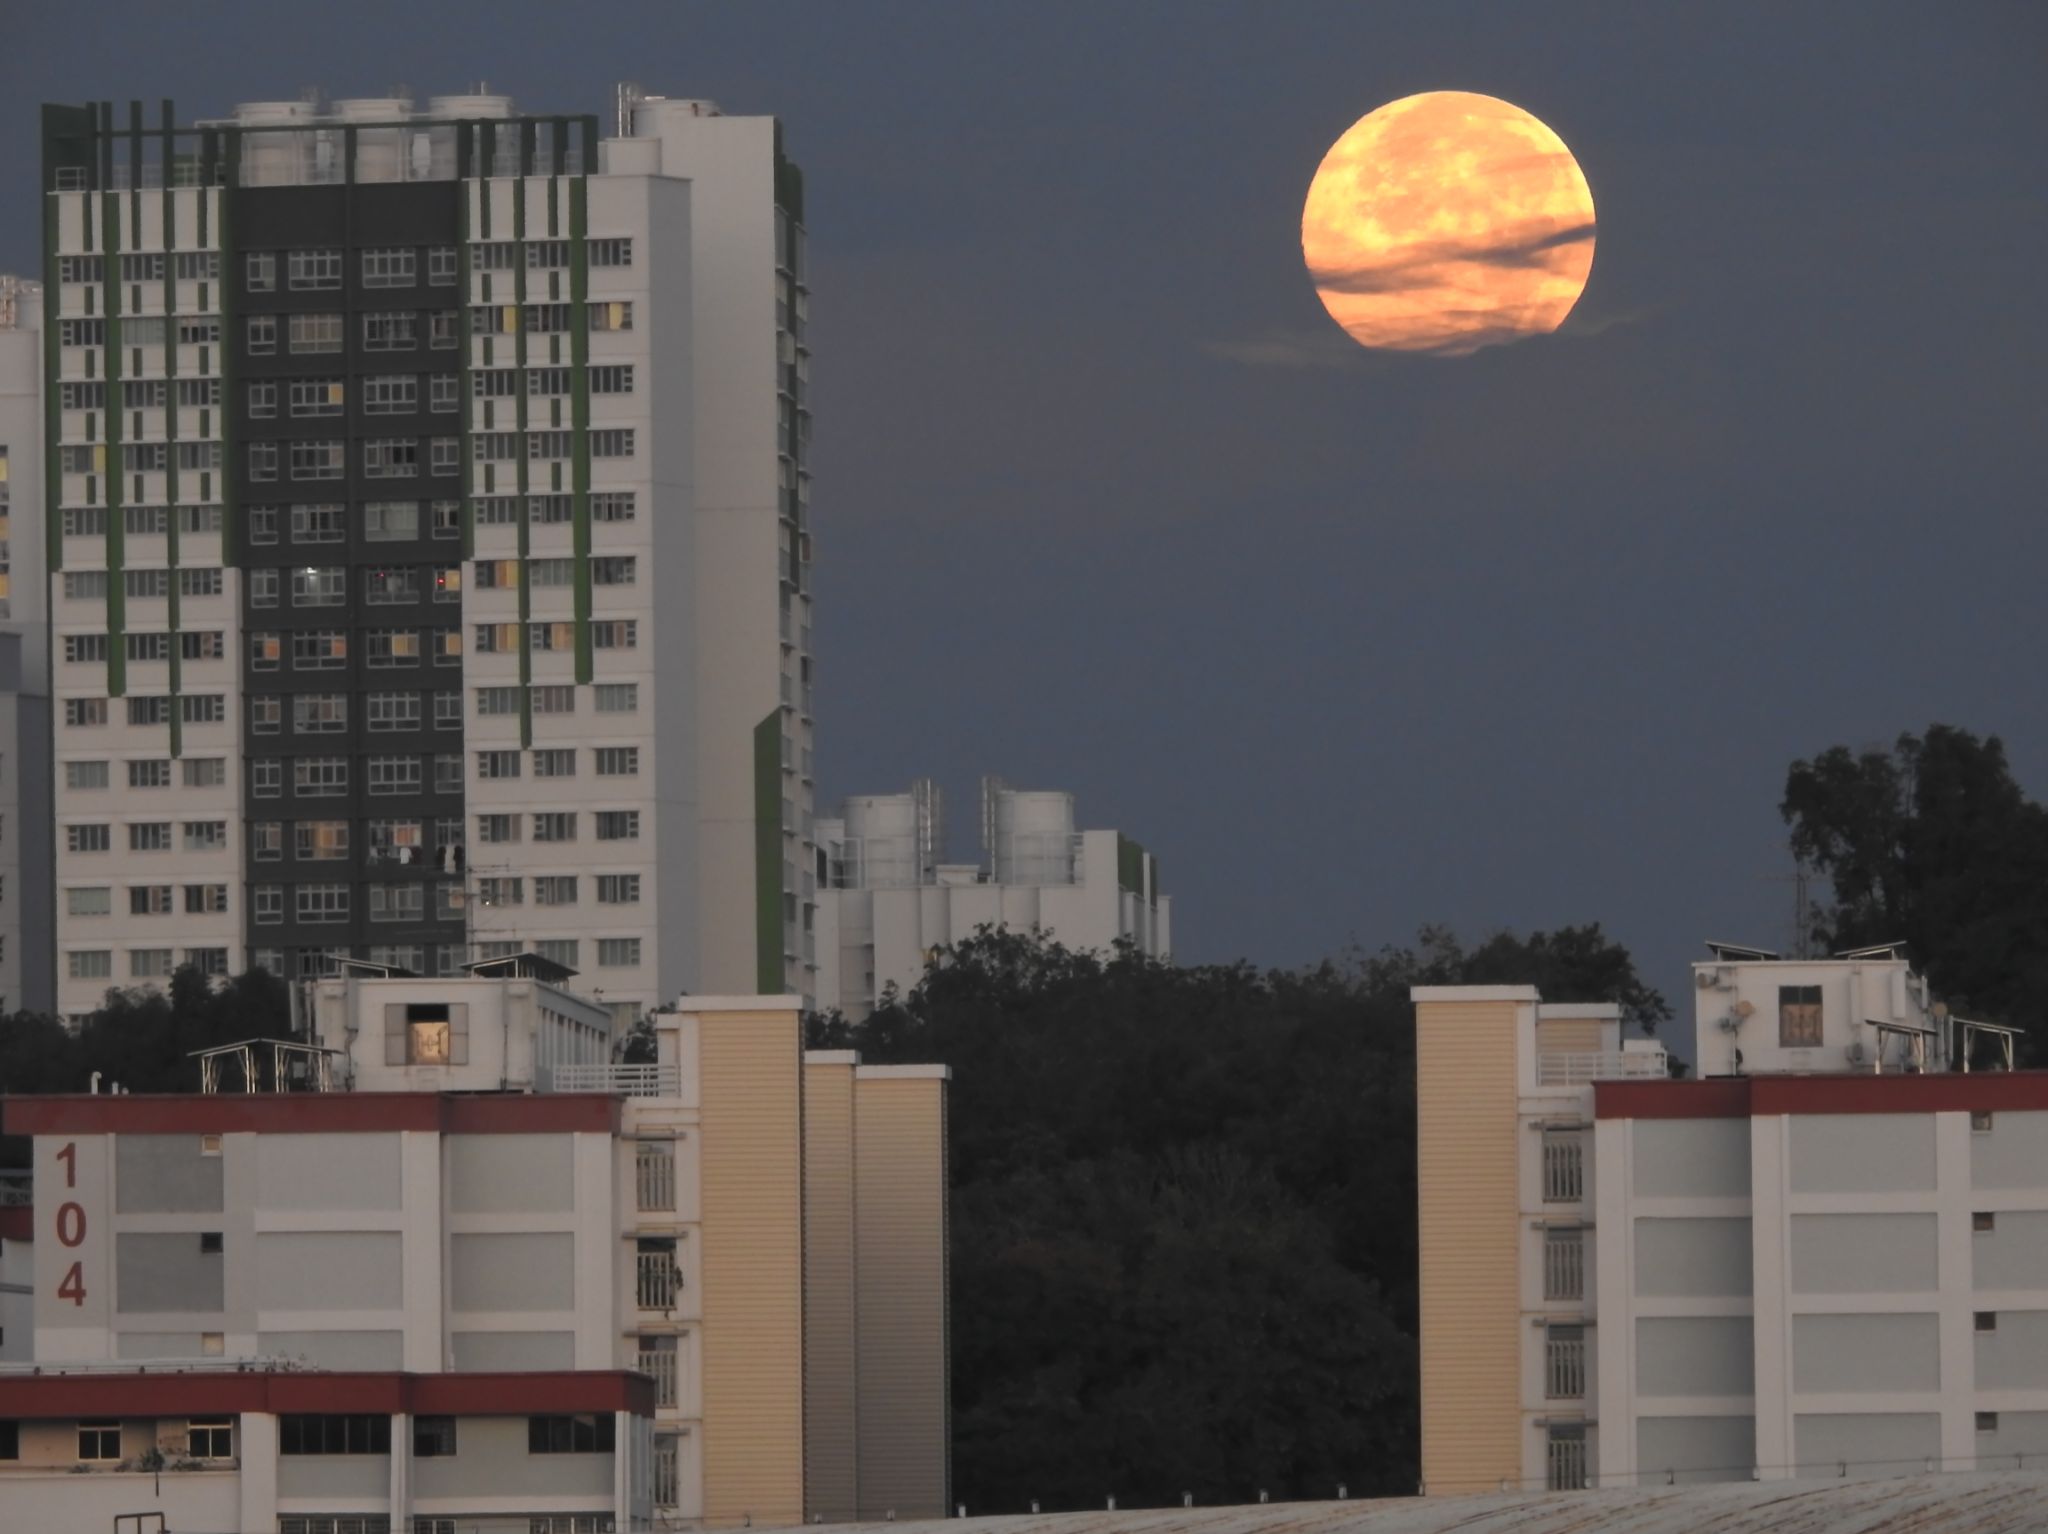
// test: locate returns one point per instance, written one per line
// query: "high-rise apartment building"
(1827, 1257)
(427, 539)
(887, 897)
(25, 858)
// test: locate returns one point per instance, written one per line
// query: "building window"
(391, 521)
(317, 396)
(501, 890)
(445, 455)
(497, 764)
(447, 519)
(149, 963)
(397, 332)
(313, 269)
(394, 775)
(326, 1433)
(433, 1437)
(614, 570)
(83, 775)
(1564, 1362)
(321, 903)
(554, 889)
(320, 777)
(263, 524)
(262, 461)
(150, 836)
(614, 443)
(1566, 1459)
(618, 825)
(391, 458)
(618, 697)
(554, 826)
(398, 902)
(1986, 1320)
(262, 334)
(150, 900)
(266, 840)
(319, 585)
(391, 394)
(317, 460)
(314, 334)
(618, 952)
(90, 964)
(263, 399)
(89, 900)
(394, 711)
(429, 1035)
(210, 1437)
(444, 392)
(323, 523)
(584, 1433)
(554, 762)
(87, 839)
(617, 379)
(319, 650)
(1564, 1177)
(320, 841)
(149, 774)
(1799, 1017)
(386, 268)
(444, 330)
(259, 269)
(611, 252)
(614, 315)
(554, 700)
(99, 1440)
(205, 835)
(441, 266)
(1980, 1122)
(1987, 1421)
(1564, 1263)
(391, 585)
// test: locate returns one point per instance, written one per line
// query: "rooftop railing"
(1577, 1068)
(650, 1080)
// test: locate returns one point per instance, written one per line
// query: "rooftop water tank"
(273, 159)
(379, 151)
(465, 107)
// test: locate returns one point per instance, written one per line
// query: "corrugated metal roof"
(2005, 1502)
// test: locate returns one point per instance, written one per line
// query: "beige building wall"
(1467, 1164)
(751, 1065)
(904, 1414)
(831, 1305)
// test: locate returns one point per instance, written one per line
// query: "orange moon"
(1445, 222)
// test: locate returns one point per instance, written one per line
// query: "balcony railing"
(657, 1281)
(661, 1368)
(1564, 1363)
(1567, 1459)
(1564, 1168)
(649, 1080)
(667, 1471)
(1564, 1265)
(1577, 1068)
(654, 1177)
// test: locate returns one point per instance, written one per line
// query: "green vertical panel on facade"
(465, 158)
(519, 470)
(768, 973)
(117, 531)
(579, 386)
(231, 531)
(135, 169)
(171, 486)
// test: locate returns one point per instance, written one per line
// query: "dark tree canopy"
(1933, 844)
(1183, 1222)
(140, 1040)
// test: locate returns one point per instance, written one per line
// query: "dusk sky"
(1354, 641)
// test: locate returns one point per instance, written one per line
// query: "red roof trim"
(169, 1394)
(1748, 1096)
(17, 1223)
(312, 1113)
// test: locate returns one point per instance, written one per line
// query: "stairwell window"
(1799, 1017)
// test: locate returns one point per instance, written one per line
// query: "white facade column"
(256, 1446)
(401, 1470)
(1613, 1400)
(1957, 1304)
(1770, 1291)
(423, 1245)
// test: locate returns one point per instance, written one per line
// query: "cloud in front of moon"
(1445, 222)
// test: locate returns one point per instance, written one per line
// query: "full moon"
(1445, 222)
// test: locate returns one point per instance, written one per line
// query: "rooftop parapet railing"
(650, 1080)
(1577, 1068)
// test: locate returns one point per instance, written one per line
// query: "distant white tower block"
(886, 901)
